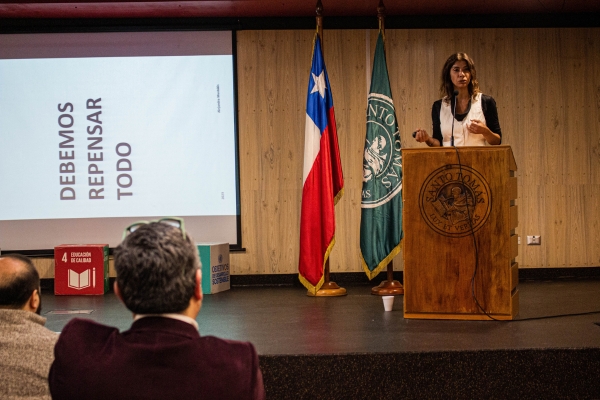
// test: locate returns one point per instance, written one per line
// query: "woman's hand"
(422, 136)
(477, 127)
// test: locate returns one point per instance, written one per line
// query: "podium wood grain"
(440, 271)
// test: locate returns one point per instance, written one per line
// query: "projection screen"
(100, 130)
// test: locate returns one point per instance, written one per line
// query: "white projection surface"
(100, 130)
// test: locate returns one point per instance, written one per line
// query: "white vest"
(462, 136)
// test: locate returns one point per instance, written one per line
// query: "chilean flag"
(323, 181)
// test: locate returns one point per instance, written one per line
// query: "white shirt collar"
(179, 317)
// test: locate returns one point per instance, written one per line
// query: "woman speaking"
(463, 116)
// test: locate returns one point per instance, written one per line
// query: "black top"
(488, 106)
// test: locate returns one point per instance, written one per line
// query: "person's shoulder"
(26, 324)
(217, 341)
(86, 330)
(47, 335)
(86, 324)
(39, 323)
(436, 107)
(81, 340)
(235, 362)
(487, 99)
(233, 348)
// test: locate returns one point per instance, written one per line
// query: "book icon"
(82, 280)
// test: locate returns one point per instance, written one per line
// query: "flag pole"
(329, 288)
(389, 287)
(319, 17)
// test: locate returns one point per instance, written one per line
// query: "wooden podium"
(442, 279)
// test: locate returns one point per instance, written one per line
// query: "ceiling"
(283, 8)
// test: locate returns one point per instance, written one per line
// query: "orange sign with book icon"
(81, 269)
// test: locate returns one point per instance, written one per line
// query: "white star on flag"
(320, 85)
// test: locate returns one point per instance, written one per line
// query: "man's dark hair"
(156, 269)
(17, 289)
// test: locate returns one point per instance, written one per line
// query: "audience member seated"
(162, 356)
(26, 346)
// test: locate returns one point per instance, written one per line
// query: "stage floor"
(285, 321)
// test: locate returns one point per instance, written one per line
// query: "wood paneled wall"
(546, 83)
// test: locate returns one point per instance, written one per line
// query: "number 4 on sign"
(64, 257)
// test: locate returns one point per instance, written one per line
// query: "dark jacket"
(158, 358)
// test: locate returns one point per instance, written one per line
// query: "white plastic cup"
(388, 302)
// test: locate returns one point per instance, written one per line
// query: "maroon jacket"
(158, 358)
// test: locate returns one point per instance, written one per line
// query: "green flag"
(381, 204)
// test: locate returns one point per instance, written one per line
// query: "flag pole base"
(388, 288)
(329, 289)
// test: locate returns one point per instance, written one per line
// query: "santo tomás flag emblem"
(381, 204)
(322, 180)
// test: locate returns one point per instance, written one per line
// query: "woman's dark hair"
(447, 87)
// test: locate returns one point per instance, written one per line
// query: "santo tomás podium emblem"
(450, 196)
